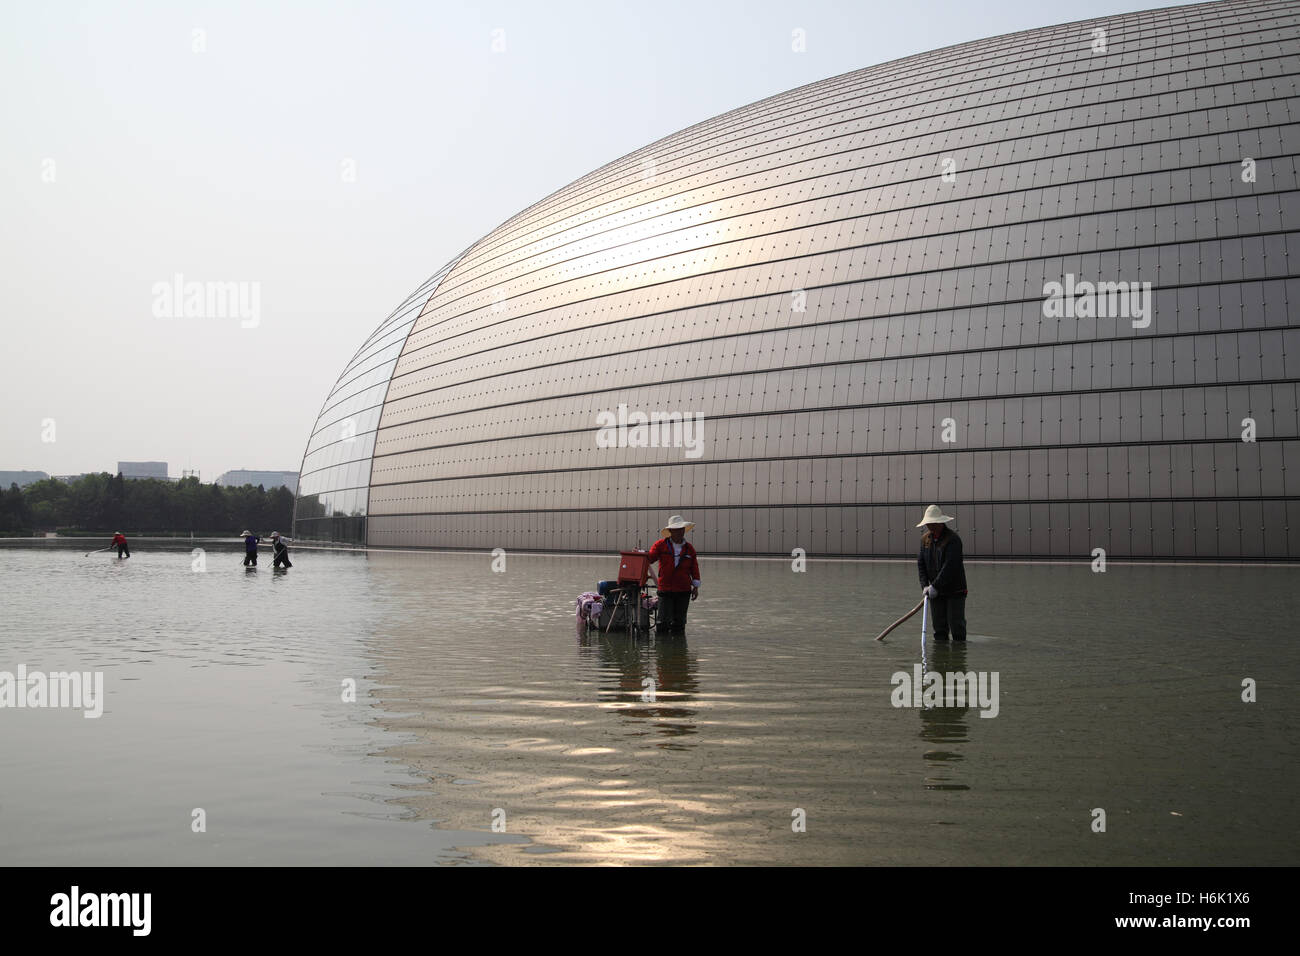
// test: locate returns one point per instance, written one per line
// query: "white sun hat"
(934, 515)
(677, 521)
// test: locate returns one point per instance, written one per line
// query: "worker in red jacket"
(679, 575)
(119, 542)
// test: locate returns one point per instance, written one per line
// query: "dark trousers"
(671, 613)
(281, 556)
(250, 557)
(123, 551)
(949, 612)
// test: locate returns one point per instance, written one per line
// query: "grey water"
(488, 727)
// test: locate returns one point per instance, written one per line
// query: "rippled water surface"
(767, 735)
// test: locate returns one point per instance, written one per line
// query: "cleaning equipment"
(89, 553)
(633, 570)
(925, 601)
(906, 617)
(625, 603)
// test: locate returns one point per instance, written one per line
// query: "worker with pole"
(281, 551)
(943, 579)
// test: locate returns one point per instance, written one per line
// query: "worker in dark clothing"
(942, 575)
(119, 542)
(281, 550)
(250, 548)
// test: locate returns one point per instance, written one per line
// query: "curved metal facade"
(851, 286)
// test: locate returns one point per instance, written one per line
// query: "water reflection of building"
(267, 479)
(850, 283)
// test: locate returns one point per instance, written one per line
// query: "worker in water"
(281, 550)
(679, 575)
(119, 542)
(250, 548)
(943, 578)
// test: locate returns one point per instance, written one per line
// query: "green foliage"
(15, 514)
(106, 503)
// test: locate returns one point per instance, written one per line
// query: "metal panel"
(795, 275)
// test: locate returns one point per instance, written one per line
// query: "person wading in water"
(679, 575)
(942, 576)
(281, 550)
(119, 542)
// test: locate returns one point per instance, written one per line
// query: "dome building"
(1043, 279)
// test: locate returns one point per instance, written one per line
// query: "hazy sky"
(331, 156)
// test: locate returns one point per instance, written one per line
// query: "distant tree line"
(109, 503)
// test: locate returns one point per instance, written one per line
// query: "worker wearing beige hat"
(281, 552)
(942, 576)
(679, 575)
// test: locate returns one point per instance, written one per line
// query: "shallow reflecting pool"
(487, 727)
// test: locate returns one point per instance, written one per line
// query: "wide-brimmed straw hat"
(275, 534)
(245, 534)
(934, 515)
(675, 522)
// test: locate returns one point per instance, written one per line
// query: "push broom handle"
(901, 620)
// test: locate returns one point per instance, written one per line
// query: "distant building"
(142, 469)
(20, 478)
(69, 479)
(267, 479)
